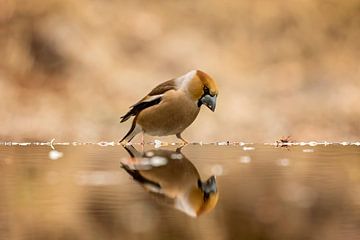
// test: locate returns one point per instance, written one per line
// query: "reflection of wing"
(175, 174)
(142, 180)
(152, 187)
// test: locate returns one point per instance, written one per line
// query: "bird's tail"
(129, 114)
(134, 130)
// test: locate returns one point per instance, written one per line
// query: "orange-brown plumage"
(172, 106)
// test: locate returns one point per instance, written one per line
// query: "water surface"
(102, 192)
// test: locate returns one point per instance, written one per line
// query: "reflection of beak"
(209, 101)
(209, 186)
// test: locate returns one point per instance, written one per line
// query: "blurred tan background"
(69, 69)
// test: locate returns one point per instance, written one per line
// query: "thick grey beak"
(209, 186)
(209, 101)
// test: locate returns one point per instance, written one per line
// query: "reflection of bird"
(173, 180)
(172, 106)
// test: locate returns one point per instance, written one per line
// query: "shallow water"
(100, 192)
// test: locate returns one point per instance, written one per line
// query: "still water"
(196, 192)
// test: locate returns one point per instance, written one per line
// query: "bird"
(172, 106)
(172, 180)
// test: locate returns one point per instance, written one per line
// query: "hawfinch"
(172, 106)
(172, 180)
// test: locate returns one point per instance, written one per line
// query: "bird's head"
(202, 88)
(201, 198)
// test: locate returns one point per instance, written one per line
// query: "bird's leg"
(178, 150)
(178, 135)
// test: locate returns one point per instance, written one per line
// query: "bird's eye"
(199, 184)
(206, 90)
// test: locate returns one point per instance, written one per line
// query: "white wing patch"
(149, 99)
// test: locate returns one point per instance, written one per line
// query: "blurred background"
(69, 69)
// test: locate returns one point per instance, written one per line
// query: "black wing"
(153, 98)
(138, 107)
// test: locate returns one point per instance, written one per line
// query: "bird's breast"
(172, 115)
